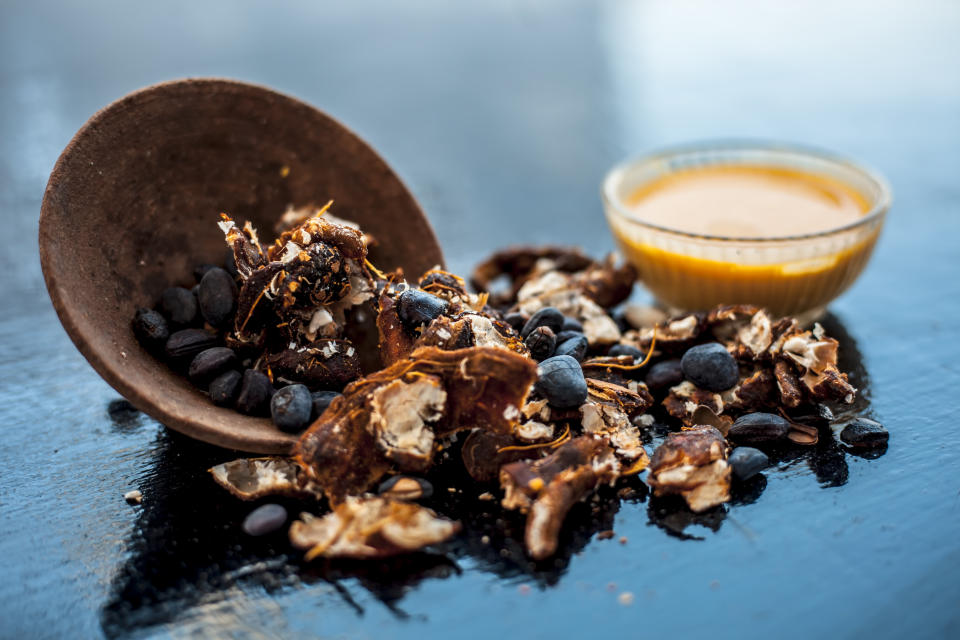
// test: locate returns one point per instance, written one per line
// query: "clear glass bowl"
(795, 275)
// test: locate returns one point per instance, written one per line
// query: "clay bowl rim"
(177, 415)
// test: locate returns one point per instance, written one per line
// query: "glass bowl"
(788, 275)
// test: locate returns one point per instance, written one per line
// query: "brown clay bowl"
(132, 204)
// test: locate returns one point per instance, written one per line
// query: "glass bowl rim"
(875, 212)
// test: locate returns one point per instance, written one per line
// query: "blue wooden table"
(503, 117)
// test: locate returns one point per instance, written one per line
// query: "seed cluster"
(263, 335)
(197, 349)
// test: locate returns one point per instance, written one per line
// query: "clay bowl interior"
(132, 204)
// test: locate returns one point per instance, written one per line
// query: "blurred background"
(513, 106)
(502, 116)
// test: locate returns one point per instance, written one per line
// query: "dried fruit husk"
(362, 292)
(294, 217)
(726, 316)
(304, 324)
(693, 464)
(550, 509)
(704, 416)
(249, 346)
(804, 361)
(779, 331)
(729, 323)
(755, 338)
(787, 383)
(339, 453)
(556, 289)
(314, 275)
(297, 293)
(725, 321)
(371, 527)
(254, 478)
(321, 365)
(443, 284)
(673, 338)
(255, 303)
(816, 357)
(608, 413)
(446, 333)
(787, 367)
(522, 481)
(755, 391)
(248, 255)
(347, 240)
(534, 432)
(632, 398)
(400, 413)
(484, 453)
(470, 329)
(395, 343)
(484, 387)
(606, 283)
(492, 332)
(539, 409)
(549, 487)
(466, 322)
(683, 400)
(613, 426)
(489, 330)
(616, 369)
(830, 384)
(518, 264)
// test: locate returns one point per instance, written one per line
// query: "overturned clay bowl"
(132, 204)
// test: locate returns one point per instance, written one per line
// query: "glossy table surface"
(503, 117)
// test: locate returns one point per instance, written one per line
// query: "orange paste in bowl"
(749, 203)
